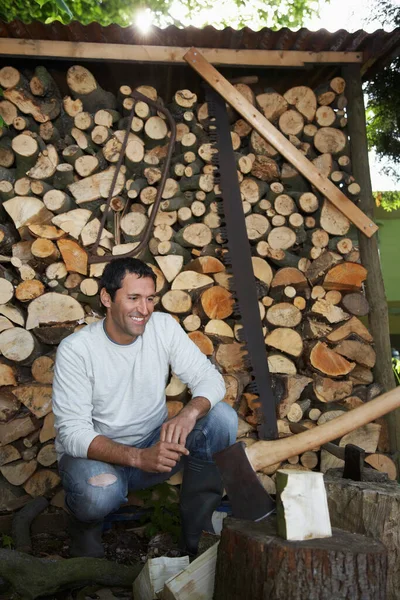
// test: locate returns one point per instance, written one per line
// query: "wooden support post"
(375, 289)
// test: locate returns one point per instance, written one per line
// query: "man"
(111, 417)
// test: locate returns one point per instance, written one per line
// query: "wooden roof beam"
(171, 54)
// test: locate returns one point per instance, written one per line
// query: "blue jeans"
(94, 489)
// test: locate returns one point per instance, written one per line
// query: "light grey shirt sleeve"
(72, 402)
(193, 367)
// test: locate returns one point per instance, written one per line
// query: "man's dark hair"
(114, 273)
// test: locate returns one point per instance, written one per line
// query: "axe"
(238, 465)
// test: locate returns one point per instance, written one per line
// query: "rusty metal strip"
(239, 262)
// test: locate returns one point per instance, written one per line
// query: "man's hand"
(160, 458)
(178, 428)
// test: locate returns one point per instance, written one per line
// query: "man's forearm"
(106, 450)
(198, 406)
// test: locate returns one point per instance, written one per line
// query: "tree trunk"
(352, 505)
(283, 573)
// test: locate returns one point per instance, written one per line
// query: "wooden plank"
(278, 140)
(170, 54)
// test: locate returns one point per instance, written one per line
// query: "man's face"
(132, 307)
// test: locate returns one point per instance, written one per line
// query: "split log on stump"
(32, 577)
(345, 566)
(370, 509)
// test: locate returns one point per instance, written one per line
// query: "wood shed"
(65, 102)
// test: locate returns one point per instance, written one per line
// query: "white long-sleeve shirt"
(104, 388)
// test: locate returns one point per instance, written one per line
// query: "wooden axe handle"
(263, 454)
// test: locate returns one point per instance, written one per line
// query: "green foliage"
(161, 500)
(396, 369)
(383, 108)
(388, 200)
(6, 541)
(234, 13)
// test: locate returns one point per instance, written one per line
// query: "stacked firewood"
(57, 160)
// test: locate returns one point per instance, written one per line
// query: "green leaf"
(64, 7)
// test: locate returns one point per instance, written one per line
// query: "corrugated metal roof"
(378, 47)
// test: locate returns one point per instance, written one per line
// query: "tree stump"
(255, 564)
(371, 509)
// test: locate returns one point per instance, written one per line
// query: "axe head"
(248, 498)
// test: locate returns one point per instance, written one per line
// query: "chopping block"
(371, 509)
(255, 564)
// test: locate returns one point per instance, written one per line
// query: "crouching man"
(110, 411)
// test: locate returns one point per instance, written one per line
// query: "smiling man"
(113, 434)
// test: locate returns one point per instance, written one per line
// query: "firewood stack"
(57, 160)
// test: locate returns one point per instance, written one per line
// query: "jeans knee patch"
(102, 480)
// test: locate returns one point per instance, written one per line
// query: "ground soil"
(124, 542)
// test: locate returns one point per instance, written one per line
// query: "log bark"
(34, 577)
(335, 560)
(359, 516)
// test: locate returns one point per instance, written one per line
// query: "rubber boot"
(85, 538)
(201, 494)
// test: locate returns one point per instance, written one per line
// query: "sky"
(353, 15)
